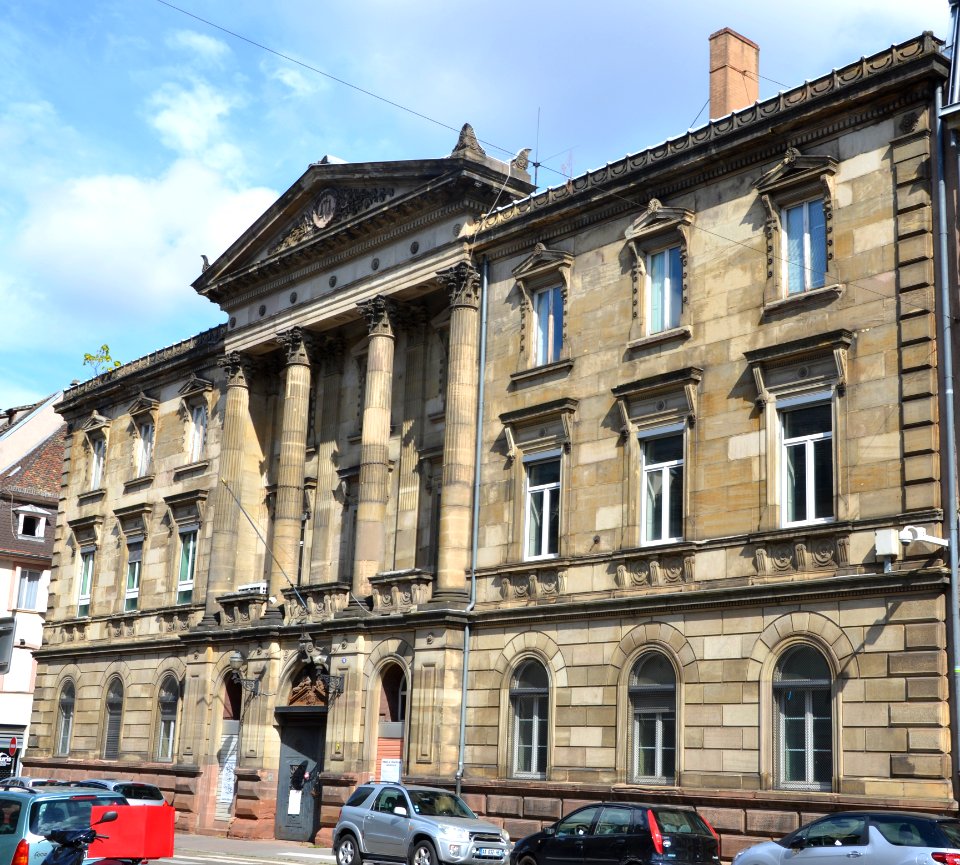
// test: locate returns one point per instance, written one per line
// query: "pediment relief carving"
(543, 262)
(657, 220)
(95, 422)
(143, 405)
(332, 205)
(794, 170)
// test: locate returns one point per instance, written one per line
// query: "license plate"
(490, 851)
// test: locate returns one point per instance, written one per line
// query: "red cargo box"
(139, 832)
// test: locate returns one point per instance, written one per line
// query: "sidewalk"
(267, 849)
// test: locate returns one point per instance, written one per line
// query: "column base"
(457, 598)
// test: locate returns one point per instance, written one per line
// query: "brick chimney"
(734, 68)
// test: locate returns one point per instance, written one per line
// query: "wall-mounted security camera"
(911, 534)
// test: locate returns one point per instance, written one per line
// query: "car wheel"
(347, 850)
(527, 860)
(424, 854)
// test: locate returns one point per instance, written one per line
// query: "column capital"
(238, 367)
(381, 314)
(462, 282)
(297, 344)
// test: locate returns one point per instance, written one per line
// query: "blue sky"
(134, 137)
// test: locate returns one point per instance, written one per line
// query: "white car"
(135, 792)
(870, 837)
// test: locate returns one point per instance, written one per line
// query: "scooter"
(72, 845)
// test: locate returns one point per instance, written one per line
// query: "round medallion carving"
(414, 248)
(293, 297)
(233, 321)
(332, 281)
(375, 264)
(263, 310)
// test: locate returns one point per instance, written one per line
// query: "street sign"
(13, 745)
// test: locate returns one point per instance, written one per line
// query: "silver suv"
(419, 825)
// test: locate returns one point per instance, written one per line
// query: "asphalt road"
(213, 850)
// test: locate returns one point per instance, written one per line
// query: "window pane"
(676, 501)
(793, 249)
(823, 478)
(662, 450)
(816, 226)
(676, 287)
(543, 326)
(657, 268)
(553, 527)
(535, 524)
(808, 420)
(796, 482)
(654, 506)
(547, 472)
(557, 323)
(646, 733)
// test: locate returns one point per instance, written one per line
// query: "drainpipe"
(946, 337)
(475, 522)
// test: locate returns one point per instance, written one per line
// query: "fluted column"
(460, 431)
(226, 514)
(370, 546)
(288, 510)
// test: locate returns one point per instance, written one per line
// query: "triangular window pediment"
(142, 405)
(793, 170)
(95, 422)
(195, 388)
(657, 220)
(541, 262)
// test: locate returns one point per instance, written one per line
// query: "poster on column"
(390, 771)
(293, 801)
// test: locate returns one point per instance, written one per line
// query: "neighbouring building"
(558, 496)
(31, 463)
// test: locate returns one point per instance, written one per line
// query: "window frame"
(808, 687)
(66, 711)
(23, 580)
(133, 594)
(31, 512)
(808, 442)
(670, 291)
(85, 573)
(659, 230)
(536, 699)
(635, 692)
(98, 457)
(188, 585)
(168, 718)
(807, 247)
(645, 437)
(548, 324)
(199, 419)
(794, 181)
(113, 719)
(146, 437)
(548, 524)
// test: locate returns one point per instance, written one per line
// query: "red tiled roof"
(38, 472)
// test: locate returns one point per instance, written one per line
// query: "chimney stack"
(734, 68)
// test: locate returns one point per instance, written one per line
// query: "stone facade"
(682, 463)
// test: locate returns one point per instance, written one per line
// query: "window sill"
(91, 496)
(804, 299)
(138, 483)
(558, 368)
(675, 334)
(190, 469)
(33, 538)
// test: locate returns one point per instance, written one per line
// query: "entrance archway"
(229, 749)
(392, 716)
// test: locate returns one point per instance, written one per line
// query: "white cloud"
(203, 48)
(190, 120)
(299, 84)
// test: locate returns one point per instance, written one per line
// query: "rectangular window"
(654, 732)
(804, 245)
(134, 563)
(86, 582)
(805, 734)
(31, 526)
(665, 289)
(662, 506)
(807, 463)
(168, 728)
(548, 317)
(188, 562)
(530, 736)
(144, 449)
(198, 431)
(543, 509)
(28, 590)
(98, 453)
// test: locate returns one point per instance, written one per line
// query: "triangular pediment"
(195, 386)
(541, 262)
(143, 404)
(795, 169)
(657, 219)
(337, 209)
(95, 421)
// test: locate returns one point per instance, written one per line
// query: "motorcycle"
(72, 845)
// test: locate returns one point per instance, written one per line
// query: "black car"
(618, 833)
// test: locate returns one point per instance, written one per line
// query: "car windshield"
(439, 803)
(950, 828)
(67, 813)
